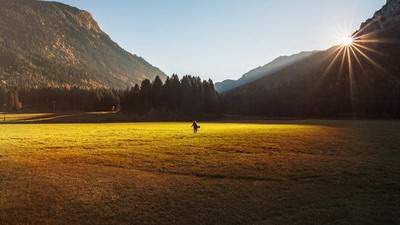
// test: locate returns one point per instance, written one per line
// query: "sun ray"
(338, 52)
(362, 29)
(333, 52)
(369, 49)
(343, 60)
(368, 58)
(349, 61)
(351, 78)
(356, 57)
(367, 36)
(393, 78)
(374, 40)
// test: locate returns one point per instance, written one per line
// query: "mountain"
(362, 79)
(52, 44)
(262, 71)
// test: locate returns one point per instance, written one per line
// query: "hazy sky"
(223, 39)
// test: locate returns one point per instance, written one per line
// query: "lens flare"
(352, 53)
(346, 41)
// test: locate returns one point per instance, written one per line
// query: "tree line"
(187, 96)
(58, 99)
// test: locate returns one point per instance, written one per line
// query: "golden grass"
(318, 172)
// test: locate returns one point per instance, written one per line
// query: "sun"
(346, 41)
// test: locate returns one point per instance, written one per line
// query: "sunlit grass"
(229, 173)
(130, 145)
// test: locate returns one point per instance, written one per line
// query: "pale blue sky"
(222, 39)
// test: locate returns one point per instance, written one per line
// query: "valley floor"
(310, 172)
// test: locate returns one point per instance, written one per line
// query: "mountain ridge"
(261, 71)
(45, 43)
(361, 80)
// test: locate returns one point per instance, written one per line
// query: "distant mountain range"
(51, 44)
(362, 79)
(262, 71)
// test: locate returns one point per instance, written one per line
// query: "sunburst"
(346, 40)
(356, 51)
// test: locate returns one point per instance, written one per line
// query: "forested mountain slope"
(52, 44)
(262, 71)
(362, 79)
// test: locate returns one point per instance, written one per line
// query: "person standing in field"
(195, 127)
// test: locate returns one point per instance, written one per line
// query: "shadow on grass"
(113, 117)
(87, 117)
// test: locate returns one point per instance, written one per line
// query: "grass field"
(295, 172)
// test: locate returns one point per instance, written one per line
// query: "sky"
(223, 39)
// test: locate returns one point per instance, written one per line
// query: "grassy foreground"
(318, 172)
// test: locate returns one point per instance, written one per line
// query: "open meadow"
(287, 172)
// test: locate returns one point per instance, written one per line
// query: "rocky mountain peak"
(388, 15)
(85, 20)
(45, 43)
(390, 10)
